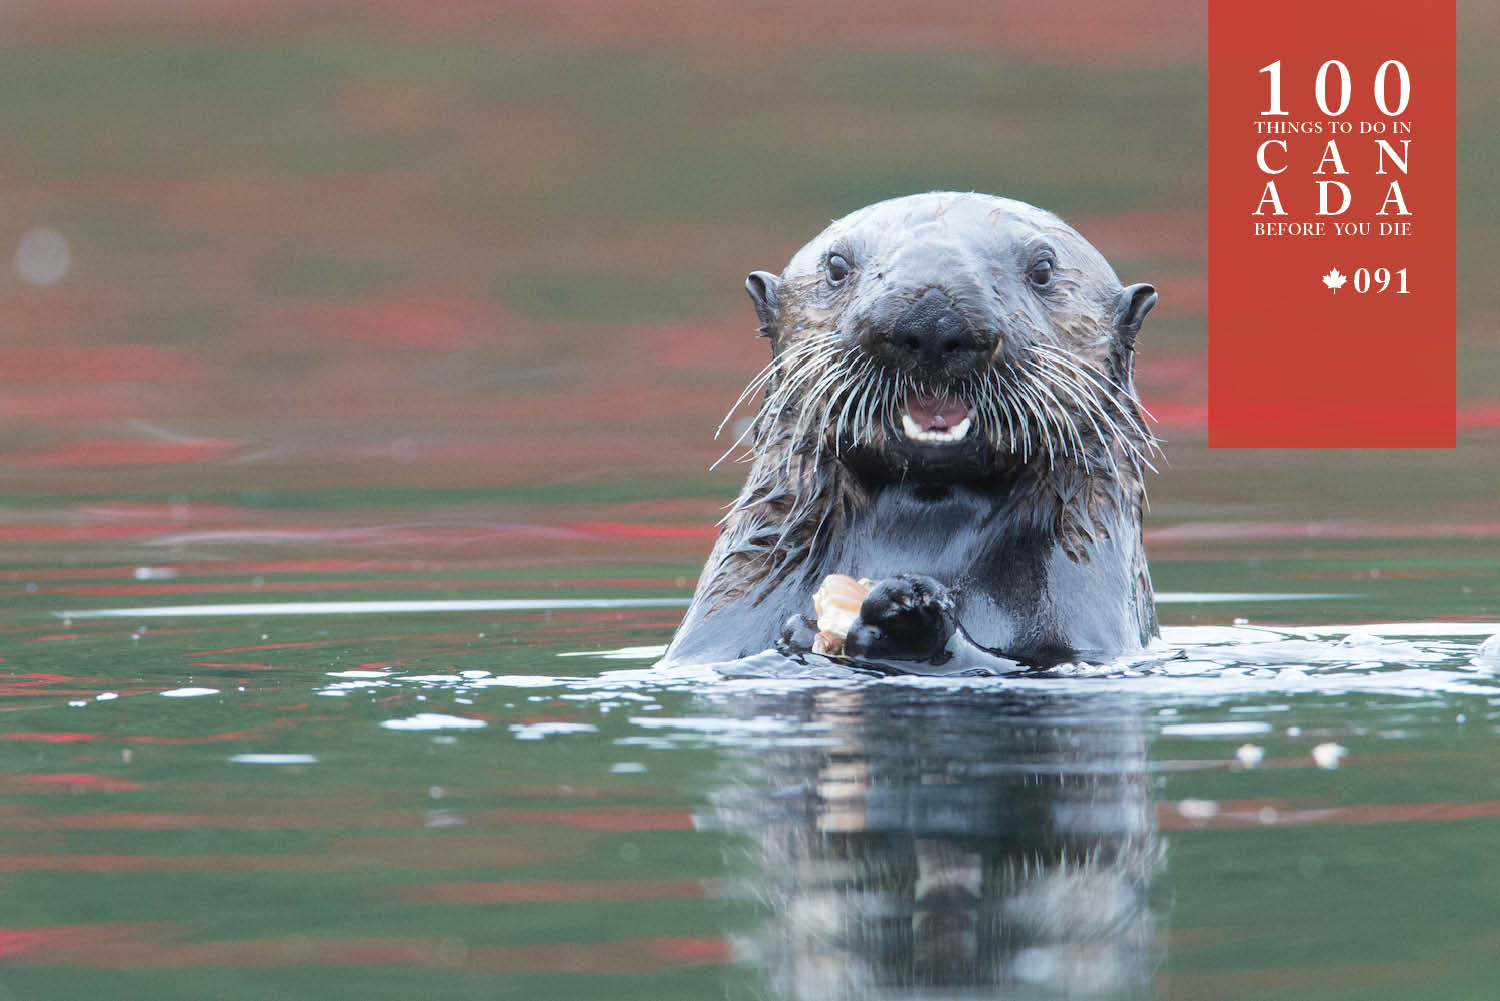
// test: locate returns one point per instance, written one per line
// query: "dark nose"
(932, 334)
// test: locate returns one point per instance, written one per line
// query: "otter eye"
(1040, 273)
(836, 269)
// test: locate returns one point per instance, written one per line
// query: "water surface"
(403, 792)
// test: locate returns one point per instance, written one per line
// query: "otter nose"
(931, 333)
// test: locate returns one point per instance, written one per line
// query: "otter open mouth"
(935, 418)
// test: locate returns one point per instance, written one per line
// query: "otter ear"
(1131, 307)
(762, 286)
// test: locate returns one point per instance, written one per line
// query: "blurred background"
(265, 253)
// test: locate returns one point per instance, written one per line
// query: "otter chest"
(1016, 588)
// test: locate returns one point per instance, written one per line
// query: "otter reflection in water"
(943, 843)
(949, 411)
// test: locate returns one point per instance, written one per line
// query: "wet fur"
(1056, 469)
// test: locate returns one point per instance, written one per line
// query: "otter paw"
(798, 634)
(905, 617)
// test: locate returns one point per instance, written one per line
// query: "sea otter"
(950, 410)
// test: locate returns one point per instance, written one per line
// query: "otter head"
(951, 337)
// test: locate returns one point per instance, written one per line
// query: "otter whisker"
(819, 401)
(817, 342)
(1032, 420)
(1007, 406)
(1040, 385)
(759, 380)
(1085, 403)
(1098, 381)
(983, 404)
(732, 446)
(819, 392)
(1104, 384)
(983, 409)
(1015, 424)
(830, 398)
(850, 393)
(896, 393)
(859, 399)
(1014, 403)
(867, 399)
(779, 396)
(842, 394)
(750, 428)
(857, 378)
(1043, 425)
(1023, 419)
(883, 407)
(789, 387)
(781, 361)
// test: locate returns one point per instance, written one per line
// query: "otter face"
(952, 336)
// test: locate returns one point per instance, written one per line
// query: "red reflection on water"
(622, 818)
(584, 792)
(303, 644)
(126, 452)
(19, 942)
(238, 665)
(38, 678)
(83, 780)
(366, 584)
(601, 819)
(149, 945)
(55, 532)
(31, 688)
(388, 321)
(448, 852)
(52, 738)
(637, 530)
(1479, 415)
(451, 850)
(97, 363)
(1177, 416)
(554, 890)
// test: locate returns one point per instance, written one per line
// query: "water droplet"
(1250, 755)
(1328, 755)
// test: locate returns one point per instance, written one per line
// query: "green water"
(513, 804)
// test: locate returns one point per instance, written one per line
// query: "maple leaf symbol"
(1334, 279)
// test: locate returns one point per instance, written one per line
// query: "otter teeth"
(916, 432)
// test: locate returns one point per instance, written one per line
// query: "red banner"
(1331, 224)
